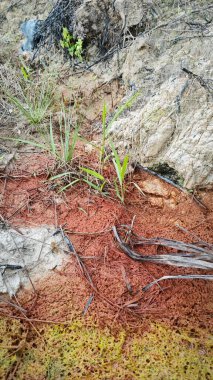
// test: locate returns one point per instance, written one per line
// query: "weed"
(74, 47)
(100, 180)
(104, 134)
(121, 171)
(31, 96)
(34, 109)
(64, 151)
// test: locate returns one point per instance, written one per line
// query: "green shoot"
(52, 142)
(121, 170)
(74, 47)
(103, 143)
(97, 176)
(28, 142)
(33, 106)
(66, 150)
(69, 185)
(122, 108)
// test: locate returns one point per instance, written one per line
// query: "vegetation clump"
(84, 351)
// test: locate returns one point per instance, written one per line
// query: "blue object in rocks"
(30, 30)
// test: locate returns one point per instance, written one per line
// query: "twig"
(127, 283)
(179, 277)
(198, 257)
(89, 233)
(80, 262)
(130, 230)
(202, 82)
(19, 308)
(88, 304)
(210, 246)
(24, 268)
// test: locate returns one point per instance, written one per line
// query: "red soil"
(28, 200)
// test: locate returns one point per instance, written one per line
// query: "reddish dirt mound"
(29, 200)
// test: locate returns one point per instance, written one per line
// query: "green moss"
(82, 351)
(10, 337)
(157, 114)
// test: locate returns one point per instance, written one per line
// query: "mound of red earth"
(29, 199)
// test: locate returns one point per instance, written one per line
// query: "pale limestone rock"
(36, 250)
(131, 12)
(154, 187)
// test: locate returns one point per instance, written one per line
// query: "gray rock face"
(131, 12)
(158, 133)
(150, 43)
(35, 250)
(172, 121)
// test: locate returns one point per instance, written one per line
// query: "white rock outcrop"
(34, 251)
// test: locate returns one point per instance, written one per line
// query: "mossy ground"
(84, 351)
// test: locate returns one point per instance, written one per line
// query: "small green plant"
(28, 91)
(106, 128)
(34, 108)
(62, 151)
(100, 180)
(34, 96)
(25, 72)
(121, 171)
(74, 47)
(66, 150)
(104, 135)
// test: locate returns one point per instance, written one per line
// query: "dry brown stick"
(89, 233)
(25, 204)
(35, 319)
(194, 235)
(19, 308)
(201, 258)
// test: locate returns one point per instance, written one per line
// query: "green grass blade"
(124, 166)
(41, 146)
(93, 173)
(121, 109)
(104, 115)
(117, 164)
(19, 106)
(96, 187)
(59, 176)
(73, 145)
(69, 184)
(66, 139)
(118, 172)
(52, 142)
(118, 192)
(61, 133)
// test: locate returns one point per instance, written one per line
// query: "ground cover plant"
(74, 48)
(30, 93)
(81, 351)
